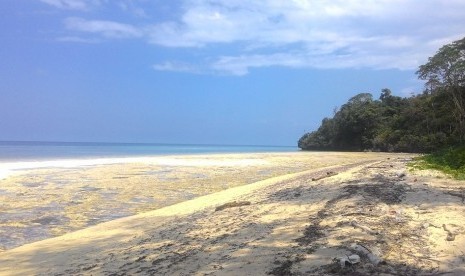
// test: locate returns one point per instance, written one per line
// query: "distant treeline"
(422, 123)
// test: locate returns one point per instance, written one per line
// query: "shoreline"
(81, 193)
(301, 223)
(8, 168)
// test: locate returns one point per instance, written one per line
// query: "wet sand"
(46, 199)
(397, 221)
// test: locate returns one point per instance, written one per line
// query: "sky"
(203, 71)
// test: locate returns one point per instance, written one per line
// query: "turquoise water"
(37, 151)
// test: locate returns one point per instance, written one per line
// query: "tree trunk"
(458, 99)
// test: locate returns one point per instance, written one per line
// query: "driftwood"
(450, 235)
(366, 214)
(232, 204)
(428, 224)
(364, 228)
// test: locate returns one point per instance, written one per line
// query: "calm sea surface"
(38, 151)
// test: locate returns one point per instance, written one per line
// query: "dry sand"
(399, 223)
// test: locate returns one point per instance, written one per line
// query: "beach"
(238, 214)
(50, 198)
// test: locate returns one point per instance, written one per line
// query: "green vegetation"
(426, 122)
(450, 161)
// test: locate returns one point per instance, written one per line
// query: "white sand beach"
(44, 199)
(295, 223)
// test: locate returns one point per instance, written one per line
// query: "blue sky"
(204, 71)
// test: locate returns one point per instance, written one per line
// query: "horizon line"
(141, 143)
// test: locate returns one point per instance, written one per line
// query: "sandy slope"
(301, 224)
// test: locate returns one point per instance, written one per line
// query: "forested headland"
(427, 122)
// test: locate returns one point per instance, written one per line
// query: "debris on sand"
(232, 205)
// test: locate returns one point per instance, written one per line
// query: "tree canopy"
(420, 123)
(445, 73)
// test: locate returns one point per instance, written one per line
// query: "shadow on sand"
(301, 227)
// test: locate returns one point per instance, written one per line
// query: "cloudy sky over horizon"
(253, 72)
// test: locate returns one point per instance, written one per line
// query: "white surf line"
(10, 168)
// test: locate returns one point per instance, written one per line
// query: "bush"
(450, 161)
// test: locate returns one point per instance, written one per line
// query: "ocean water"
(41, 151)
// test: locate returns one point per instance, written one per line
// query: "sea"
(43, 151)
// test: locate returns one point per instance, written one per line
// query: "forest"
(423, 123)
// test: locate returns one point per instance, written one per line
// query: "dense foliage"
(422, 123)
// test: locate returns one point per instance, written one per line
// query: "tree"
(445, 73)
(356, 122)
(421, 123)
(386, 95)
(320, 139)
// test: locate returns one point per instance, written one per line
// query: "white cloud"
(398, 34)
(72, 4)
(77, 39)
(169, 34)
(131, 7)
(108, 29)
(323, 34)
(240, 65)
(176, 67)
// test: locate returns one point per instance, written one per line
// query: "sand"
(40, 200)
(399, 222)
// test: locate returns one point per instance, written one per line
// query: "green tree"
(445, 73)
(422, 123)
(356, 122)
(322, 139)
